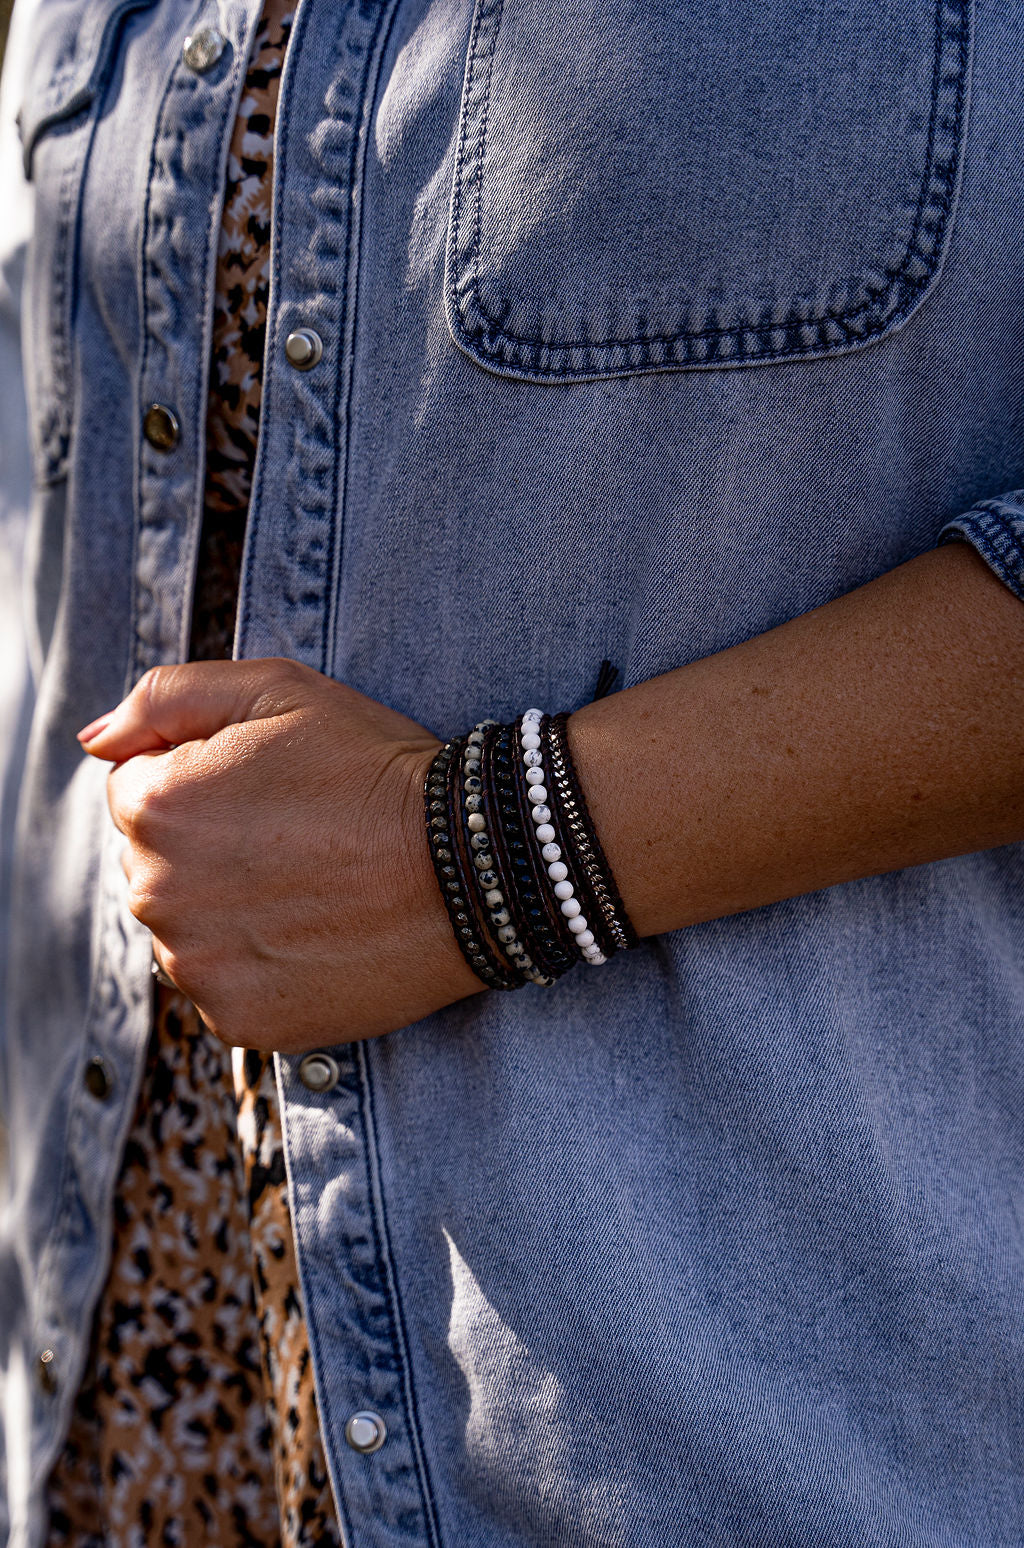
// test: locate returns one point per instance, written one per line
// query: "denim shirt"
(645, 328)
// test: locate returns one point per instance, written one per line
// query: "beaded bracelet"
(461, 804)
(530, 886)
(483, 861)
(569, 857)
(588, 846)
(444, 854)
(546, 838)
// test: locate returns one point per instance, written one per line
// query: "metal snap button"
(203, 48)
(303, 348)
(319, 1072)
(46, 1372)
(160, 427)
(366, 1431)
(97, 1079)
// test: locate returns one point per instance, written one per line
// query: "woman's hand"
(276, 851)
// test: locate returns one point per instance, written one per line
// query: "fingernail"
(95, 727)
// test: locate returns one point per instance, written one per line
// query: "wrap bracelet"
(524, 879)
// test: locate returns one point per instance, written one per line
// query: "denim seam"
(97, 49)
(135, 651)
(334, 537)
(400, 1336)
(333, 1443)
(67, 1191)
(349, 309)
(986, 527)
(892, 305)
(55, 429)
(246, 582)
(193, 540)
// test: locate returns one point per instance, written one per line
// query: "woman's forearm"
(882, 730)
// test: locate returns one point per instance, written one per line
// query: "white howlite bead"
(545, 832)
(551, 852)
(476, 822)
(577, 924)
(557, 870)
(529, 741)
(534, 714)
(570, 908)
(535, 776)
(595, 961)
(584, 938)
(563, 889)
(541, 814)
(532, 758)
(537, 794)
(493, 898)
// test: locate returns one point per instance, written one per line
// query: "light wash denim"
(646, 327)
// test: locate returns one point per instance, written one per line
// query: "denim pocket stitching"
(480, 332)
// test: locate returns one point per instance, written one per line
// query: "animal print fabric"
(239, 338)
(171, 1438)
(196, 1421)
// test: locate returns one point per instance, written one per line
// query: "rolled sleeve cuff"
(996, 529)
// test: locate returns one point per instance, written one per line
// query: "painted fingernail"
(95, 727)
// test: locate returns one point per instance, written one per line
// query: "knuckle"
(288, 673)
(144, 902)
(150, 684)
(145, 819)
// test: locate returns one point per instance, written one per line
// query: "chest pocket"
(72, 54)
(646, 187)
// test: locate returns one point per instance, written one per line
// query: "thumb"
(187, 703)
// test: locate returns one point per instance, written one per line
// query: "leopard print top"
(196, 1420)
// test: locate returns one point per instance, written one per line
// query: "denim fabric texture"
(645, 329)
